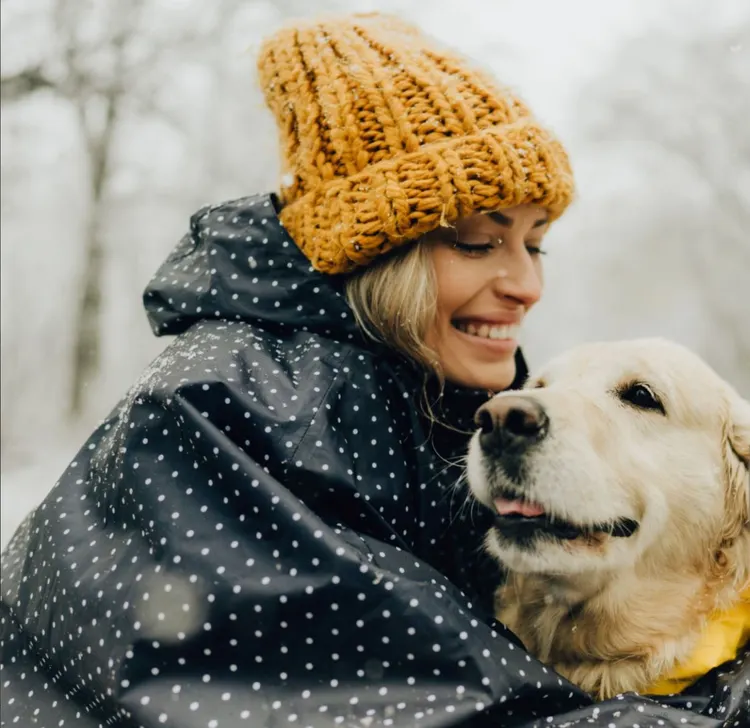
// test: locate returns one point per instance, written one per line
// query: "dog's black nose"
(511, 421)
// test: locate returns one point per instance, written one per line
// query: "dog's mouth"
(521, 519)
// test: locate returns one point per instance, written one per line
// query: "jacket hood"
(239, 263)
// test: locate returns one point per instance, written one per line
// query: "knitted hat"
(386, 136)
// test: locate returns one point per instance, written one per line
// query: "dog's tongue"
(518, 507)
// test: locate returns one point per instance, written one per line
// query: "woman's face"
(489, 274)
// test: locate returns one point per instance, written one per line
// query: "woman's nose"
(520, 281)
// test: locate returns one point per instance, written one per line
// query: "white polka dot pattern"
(266, 532)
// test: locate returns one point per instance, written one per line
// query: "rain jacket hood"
(236, 264)
(268, 531)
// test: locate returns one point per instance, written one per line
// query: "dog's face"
(614, 454)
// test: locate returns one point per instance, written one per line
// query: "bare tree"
(108, 62)
(90, 68)
(23, 83)
(97, 98)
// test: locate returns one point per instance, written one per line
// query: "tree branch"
(23, 84)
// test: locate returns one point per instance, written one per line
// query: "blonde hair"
(394, 301)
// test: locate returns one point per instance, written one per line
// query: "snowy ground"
(24, 483)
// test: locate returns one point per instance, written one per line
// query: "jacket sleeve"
(212, 560)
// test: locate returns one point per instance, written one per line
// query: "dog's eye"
(641, 396)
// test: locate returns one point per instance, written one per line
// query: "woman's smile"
(495, 337)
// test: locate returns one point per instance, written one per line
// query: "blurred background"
(119, 119)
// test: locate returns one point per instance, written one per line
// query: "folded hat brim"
(344, 224)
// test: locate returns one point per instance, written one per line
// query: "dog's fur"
(615, 614)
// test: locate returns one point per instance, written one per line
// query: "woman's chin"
(495, 377)
(474, 362)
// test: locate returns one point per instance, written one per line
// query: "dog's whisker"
(457, 486)
(459, 459)
(453, 490)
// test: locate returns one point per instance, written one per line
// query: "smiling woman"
(264, 531)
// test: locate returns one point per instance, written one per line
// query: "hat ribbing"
(385, 136)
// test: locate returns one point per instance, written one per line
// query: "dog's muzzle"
(510, 426)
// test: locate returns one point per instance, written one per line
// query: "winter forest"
(120, 119)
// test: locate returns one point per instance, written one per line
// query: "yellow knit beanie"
(386, 136)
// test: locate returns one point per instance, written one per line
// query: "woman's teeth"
(488, 331)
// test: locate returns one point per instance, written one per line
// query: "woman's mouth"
(482, 330)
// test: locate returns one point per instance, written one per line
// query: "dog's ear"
(738, 430)
(732, 556)
(737, 459)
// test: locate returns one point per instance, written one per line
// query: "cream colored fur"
(615, 614)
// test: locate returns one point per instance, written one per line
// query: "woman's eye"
(535, 250)
(473, 248)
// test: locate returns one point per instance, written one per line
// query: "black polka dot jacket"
(267, 531)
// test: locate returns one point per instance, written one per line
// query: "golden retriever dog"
(619, 477)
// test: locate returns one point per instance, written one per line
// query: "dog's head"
(618, 454)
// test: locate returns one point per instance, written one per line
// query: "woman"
(266, 531)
